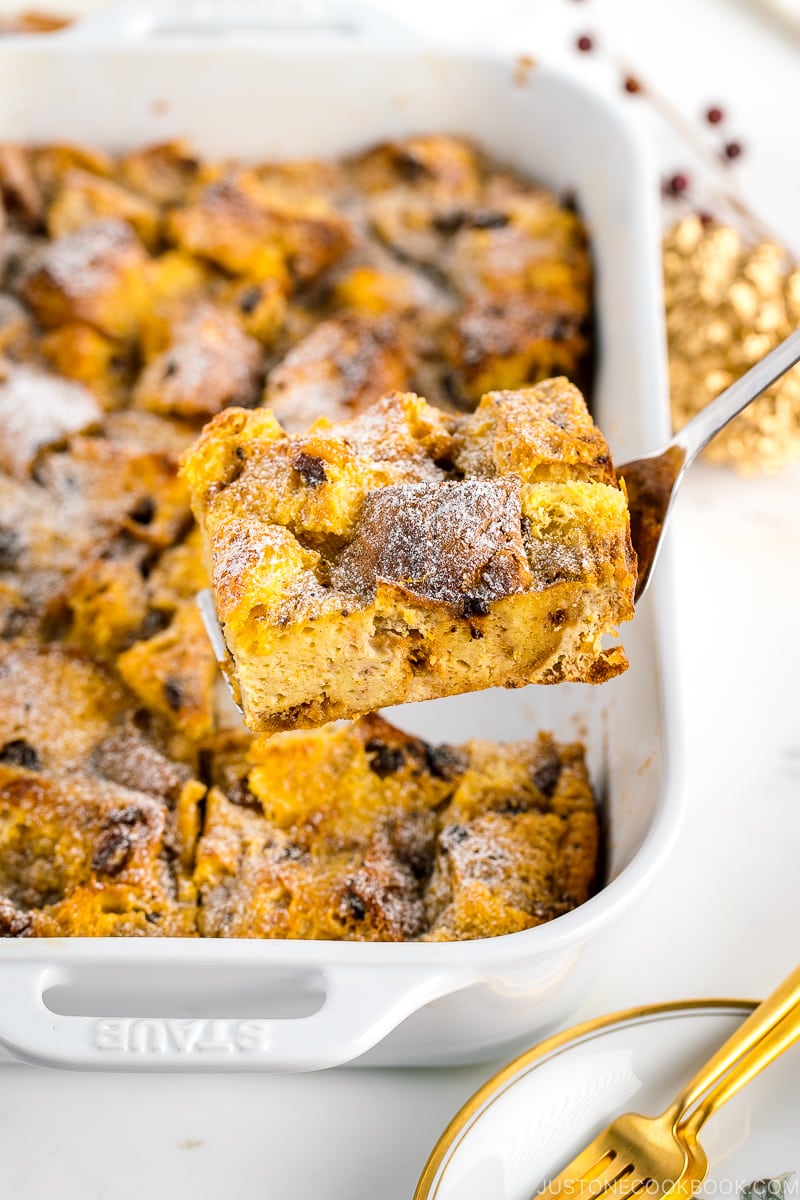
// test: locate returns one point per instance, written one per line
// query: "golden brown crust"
(523, 240)
(52, 161)
(505, 341)
(454, 541)
(83, 197)
(98, 824)
(544, 433)
(338, 371)
(369, 834)
(78, 352)
(56, 707)
(19, 191)
(174, 673)
(140, 295)
(110, 486)
(98, 274)
(446, 166)
(209, 363)
(165, 173)
(249, 228)
(403, 555)
(86, 857)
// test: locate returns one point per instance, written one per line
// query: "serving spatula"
(653, 481)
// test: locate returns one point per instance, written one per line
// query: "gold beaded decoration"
(727, 304)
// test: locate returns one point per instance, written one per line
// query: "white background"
(724, 916)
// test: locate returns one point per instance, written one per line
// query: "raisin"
(444, 762)
(143, 511)
(451, 388)
(129, 815)
(450, 222)
(453, 835)
(484, 218)
(173, 694)
(310, 469)
(248, 301)
(560, 328)
(239, 794)
(384, 760)
(354, 906)
(116, 841)
(291, 852)
(409, 167)
(112, 850)
(20, 753)
(10, 548)
(155, 622)
(475, 606)
(545, 775)
(14, 623)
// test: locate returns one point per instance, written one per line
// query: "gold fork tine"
(596, 1170)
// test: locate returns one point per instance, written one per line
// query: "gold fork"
(661, 1155)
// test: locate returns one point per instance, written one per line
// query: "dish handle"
(137, 20)
(361, 1007)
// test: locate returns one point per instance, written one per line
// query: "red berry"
(585, 43)
(733, 149)
(676, 184)
(714, 116)
(632, 85)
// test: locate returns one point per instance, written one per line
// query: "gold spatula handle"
(782, 1001)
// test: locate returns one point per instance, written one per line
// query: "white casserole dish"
(133, 77)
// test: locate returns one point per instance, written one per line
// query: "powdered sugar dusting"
(85, 262)
(448, 541)
(37, 409)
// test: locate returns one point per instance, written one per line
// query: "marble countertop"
(361, 1134)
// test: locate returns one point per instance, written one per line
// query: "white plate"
(523, 1126)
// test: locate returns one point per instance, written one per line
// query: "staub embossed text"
(155, 1036)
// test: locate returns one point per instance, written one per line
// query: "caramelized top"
(458, 510)
(459, 542)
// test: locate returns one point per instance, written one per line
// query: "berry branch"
(721, 188)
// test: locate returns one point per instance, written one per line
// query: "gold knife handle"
(785, 998)
(780, 1038)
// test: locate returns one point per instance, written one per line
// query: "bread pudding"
(142, 295)
(363, 832)
(406, 554)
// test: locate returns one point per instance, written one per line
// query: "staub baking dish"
(249, 81)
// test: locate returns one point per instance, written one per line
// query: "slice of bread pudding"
(409, 554)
